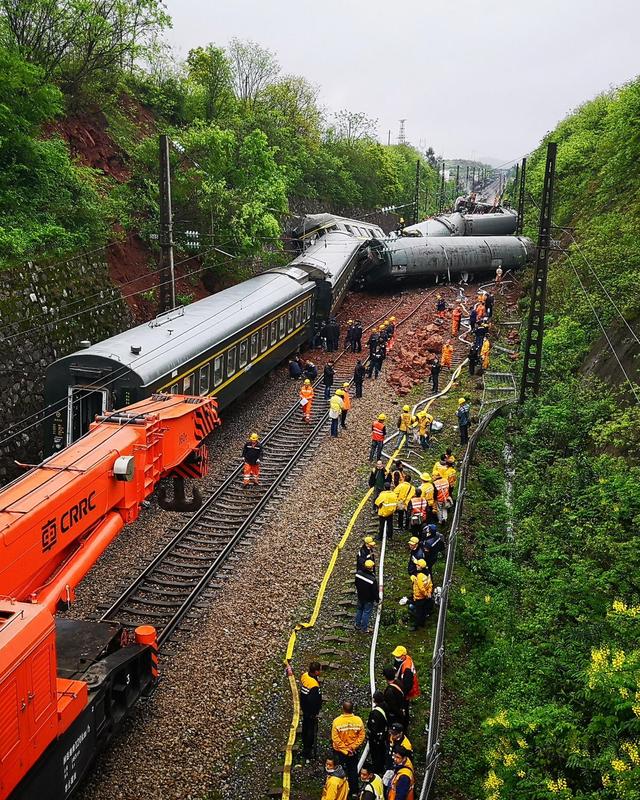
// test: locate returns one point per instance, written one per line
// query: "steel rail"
(203, 581)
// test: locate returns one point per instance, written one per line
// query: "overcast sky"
(473, 78)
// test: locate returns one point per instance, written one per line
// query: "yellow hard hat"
(414, 540)
(345, 385)
(386, 321)
(461, 400)
(307, 382)
(382, 417)
(340, 393)
(425, 476)
(399, 651)
(392, 319)
(254, 437)
(350, 322)
(406, 408)
(370, 541)
(421, 563)
(368, 564)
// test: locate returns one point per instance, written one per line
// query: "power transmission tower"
(401, 136)
(523, 177)
(535, 329)
(166, 267)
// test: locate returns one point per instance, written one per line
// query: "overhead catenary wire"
(602, 328)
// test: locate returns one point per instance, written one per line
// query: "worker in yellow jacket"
(336, 786)
(429, 493)
(425, 421)
(407, 422)
(386, 503)
(484, 353)
(422, 594)
(347, 735)
(440, 468)
(404, 491)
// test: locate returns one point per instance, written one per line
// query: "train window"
(175, 388)
(264, 338)
(205, 374)
(348, 227)
(254, 346)
(243, 353)
(188, 383)
(289, 321)
(217, 370)
(307, 308)
(282, 325)
(231, 361)
(298, 315)
(274, 332)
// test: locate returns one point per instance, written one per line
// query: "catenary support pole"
(417, 198)
(166, 271)
(523, 177)
(535, 330)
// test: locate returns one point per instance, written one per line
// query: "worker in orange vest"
(403, 781)
(456, 316)
(306, 399)
(346, 403)
(447, 354)
(407, 677)
(251, 454)
(378, 433)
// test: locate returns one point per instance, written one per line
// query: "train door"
(83, 404)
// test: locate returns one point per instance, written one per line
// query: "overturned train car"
(450, 258)
(501, 222)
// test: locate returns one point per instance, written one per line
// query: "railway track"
(175, 581)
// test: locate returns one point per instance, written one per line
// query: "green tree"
(47, 203)
(210, 72)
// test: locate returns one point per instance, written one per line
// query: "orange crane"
(65, 685)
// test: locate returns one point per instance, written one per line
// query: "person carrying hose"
(252, 453)
(306, 399)
(406, 423)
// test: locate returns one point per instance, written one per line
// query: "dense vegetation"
(253, 139)
(545, 676)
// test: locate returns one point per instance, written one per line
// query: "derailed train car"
(217, 346)
(447, 258)
(501, 222)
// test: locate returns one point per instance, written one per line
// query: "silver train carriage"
(220, 345)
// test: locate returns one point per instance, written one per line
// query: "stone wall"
(45, 312)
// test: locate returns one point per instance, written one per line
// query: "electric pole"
(457, 178)
(441, 203)
(415, 207)
(535, 329)
(523, 176)
(515, 186)
(166, 270)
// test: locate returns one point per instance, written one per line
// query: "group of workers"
(388, 771)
